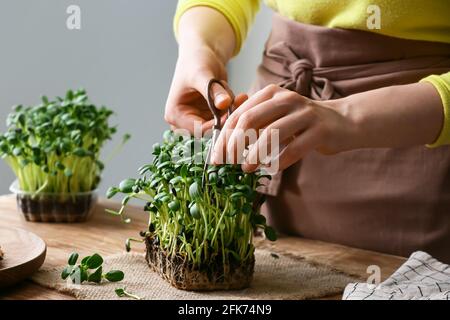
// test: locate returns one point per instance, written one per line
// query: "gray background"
(124, 55)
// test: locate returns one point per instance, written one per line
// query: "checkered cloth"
(421, 277)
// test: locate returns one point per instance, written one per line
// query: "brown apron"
(389, 200)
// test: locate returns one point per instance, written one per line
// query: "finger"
(222, 99)
(188, 122)
(281, 131)
(249, 125)
(240, 99)
(256, 99)
(220, 147)
(300, 146)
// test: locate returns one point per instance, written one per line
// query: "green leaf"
(84, 260)
(120, 292)
(155, 182)
(17, 151)
(165, 199)
(100, 165)
(73, 259)
(69, 95)
(259, 219)
(128, 245)
(174, 205)
(237, 195)
(78, 275)
(114, 275)
(270, 233)
(68, 172)
(94, 261)
(17, 108)
(156, 148)
(184, 171)
(96, 276)
(247, 208)
(126, 186)
(59, 165)
(111, 192)
(213, 177)
(196, 169)
(175, 180)
(80, 152)
(66, 272)
(195, 211)
(194, 190)
(24, 163)
(163, 165)
(223, 171)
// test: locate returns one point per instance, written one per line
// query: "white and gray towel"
(421, 277)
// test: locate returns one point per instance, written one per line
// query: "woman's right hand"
(206, 43)
(186, 102)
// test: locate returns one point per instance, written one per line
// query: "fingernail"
(213, 159)
(246, 167)
(220, 98)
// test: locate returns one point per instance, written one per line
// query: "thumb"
(222, 99)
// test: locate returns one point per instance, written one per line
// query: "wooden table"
(105, 234)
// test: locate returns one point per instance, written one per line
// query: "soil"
(51, 209)
(183, 275)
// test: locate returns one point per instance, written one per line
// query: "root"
(182, 274)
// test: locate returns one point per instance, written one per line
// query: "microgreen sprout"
(54, 146)
(90, 269)
(121, 292)
(198, 222)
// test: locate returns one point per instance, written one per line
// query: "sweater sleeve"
(239, 13)
(442, 85)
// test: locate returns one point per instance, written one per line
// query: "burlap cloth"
(275, 278)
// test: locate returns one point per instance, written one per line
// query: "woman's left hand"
(389, 117)
(303, 125)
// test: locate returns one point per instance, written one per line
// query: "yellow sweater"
(408, 19)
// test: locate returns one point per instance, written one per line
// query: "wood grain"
(106, 235)
(24, 254)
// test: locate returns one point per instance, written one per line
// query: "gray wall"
(124, 55)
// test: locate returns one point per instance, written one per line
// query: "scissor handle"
(214, 110)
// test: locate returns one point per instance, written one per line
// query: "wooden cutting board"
(24, 253)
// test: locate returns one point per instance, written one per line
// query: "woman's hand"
(206, 43)
(390, 117)
(186, 102)
(302, 125)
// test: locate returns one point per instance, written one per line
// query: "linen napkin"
(421, 277)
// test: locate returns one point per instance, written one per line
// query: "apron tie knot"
(299, 73)
(301, 77)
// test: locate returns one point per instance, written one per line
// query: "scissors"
(217, 126)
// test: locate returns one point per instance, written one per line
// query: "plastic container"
(55, 207)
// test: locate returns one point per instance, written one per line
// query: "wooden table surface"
(106, 234)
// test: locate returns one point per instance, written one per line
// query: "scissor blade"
(214, 138)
